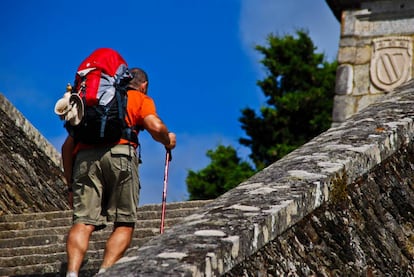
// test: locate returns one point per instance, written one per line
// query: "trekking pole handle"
(169, 155)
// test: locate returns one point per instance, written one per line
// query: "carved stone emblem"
(391, 62)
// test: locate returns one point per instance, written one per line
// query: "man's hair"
(139, 77)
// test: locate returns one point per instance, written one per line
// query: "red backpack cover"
(98, 75)
(101, 82)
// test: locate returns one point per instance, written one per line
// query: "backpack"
(101, 83)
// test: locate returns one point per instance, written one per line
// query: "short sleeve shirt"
(139, 106)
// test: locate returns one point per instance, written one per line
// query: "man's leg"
(117, 243)
(77, 244)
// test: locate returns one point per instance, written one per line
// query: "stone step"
(56, 230)
(49, 238)
(36, 270)
(35, 244)
(38, 259)
(21, 233)
(51, 269)
(39, 223)
(18, 229)
(94, 244)
(176, 205)
(57, 252)
(31, 255)
(64, 218)
(11, 218)
(29, 250)
(169, 213)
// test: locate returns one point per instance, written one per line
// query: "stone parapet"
(364, 230)
(232, 228)
(31, 177)
(30, 131)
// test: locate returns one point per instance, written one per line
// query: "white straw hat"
(75, 114)
(70, 108)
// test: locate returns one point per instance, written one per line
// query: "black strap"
(129, 134)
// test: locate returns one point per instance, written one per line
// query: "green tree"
(299, 88)
(225, 171)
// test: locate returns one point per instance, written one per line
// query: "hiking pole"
(164, 191)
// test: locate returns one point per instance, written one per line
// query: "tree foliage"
(225, 171)
(299, 88)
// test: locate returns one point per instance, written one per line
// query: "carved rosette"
(391, 62)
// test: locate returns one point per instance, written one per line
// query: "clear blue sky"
(199, 55)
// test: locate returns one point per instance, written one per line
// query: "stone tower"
(375, 51)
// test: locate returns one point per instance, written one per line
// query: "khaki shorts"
(105, 185)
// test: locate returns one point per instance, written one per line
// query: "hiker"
(108, 174)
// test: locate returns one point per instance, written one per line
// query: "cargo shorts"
(105, 185)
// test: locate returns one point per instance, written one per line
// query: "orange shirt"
(139, 106)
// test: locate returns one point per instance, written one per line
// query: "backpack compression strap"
(129, 134)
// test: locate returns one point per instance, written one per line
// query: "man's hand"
(173, 141)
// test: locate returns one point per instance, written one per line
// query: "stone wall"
(366, 229)
(32, 135)
(339, 204)
(375, 52)
(31, 178)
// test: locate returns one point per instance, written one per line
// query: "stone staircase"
(34, 244)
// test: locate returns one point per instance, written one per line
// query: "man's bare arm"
(159, 131)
